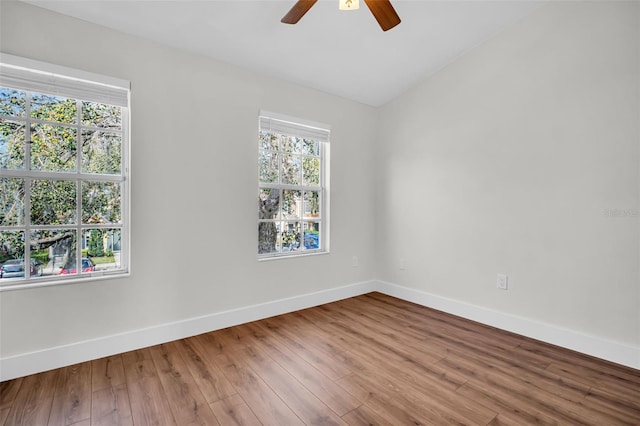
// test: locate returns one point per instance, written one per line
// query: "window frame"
(304, 129)
(32, 76)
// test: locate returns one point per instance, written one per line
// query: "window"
(292, 187)
(63, 174)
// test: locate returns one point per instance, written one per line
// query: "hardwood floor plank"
(32, 403)
(394, 331)
(541, 379)
(417, 314)
(110, 406)
(414, 361)
(604, 378)
(365, 416)
(298, 398)
(320, 385)
(399, 341)
(510, 410)
(233, 411)
(299, 323)
(107, 373)
(351, 385)
(329, 364)
(624, 405)
(4, 414)
(8, 392)
(149, 405)
(391, 403)
(592, 371)
(520, 393)
(72, 398)
(265, 404)
(185, 398)
(209, 378)
(464, 335)
(421, 390)
(231, 339)
(31, 412)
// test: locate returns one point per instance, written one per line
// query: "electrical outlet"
(354, 261)
(502, 282)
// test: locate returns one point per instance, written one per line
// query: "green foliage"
(101, 202)
(53, 108)
(12, 102)
(53, 202)
(41, 256)
(12, 244)
(12, 144)
(65, 129)
(95, 243)
(11, 201)
(103, 259)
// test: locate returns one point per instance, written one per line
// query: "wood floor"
(369, 360)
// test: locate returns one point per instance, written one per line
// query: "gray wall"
(513, 160)
(510, 160)
(194, 188)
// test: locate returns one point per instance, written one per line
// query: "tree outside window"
(61, 185)
(290, 191)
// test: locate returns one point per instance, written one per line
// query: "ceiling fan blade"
(297, 11)
(384, 13)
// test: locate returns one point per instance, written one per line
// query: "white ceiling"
(342, 53)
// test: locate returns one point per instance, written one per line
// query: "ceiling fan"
(382, 10)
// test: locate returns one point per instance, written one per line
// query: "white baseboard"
(61, 356)
(595, 346)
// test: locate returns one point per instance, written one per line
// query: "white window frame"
(41, 77)
(320, 132)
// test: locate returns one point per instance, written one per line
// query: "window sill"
(56, 282)
(269, 258)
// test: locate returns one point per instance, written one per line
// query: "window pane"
(101, 247)
(289, 237)
(53, 148)
(268, 167)
(101, 152)
(311, 204)
(268, 141)
(11, 256)
(291, 144)
(101, 202)
(310, 147)
(53, 108)
(55, 250)
(291, 167)
(311, 235)
(268, 203)
(290, 210)
(311, 171)
(12, 102)
(267, 237)
(101, 115)
(53, 202)
(291, 204)
(11, 202)
(11, 144)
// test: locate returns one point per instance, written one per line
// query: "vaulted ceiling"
(342, 53)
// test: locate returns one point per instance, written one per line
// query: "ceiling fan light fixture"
(348, 4)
